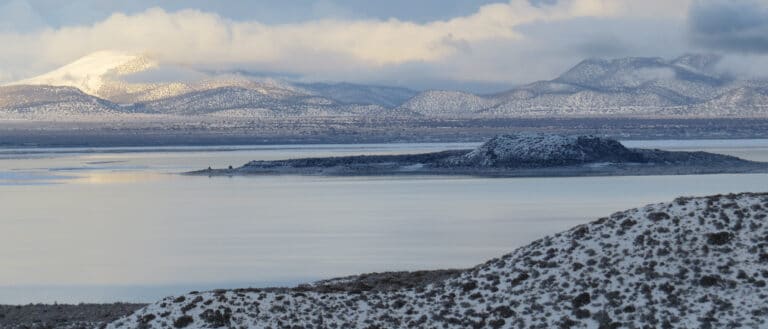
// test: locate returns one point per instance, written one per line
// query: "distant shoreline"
(335, 131)
(573, 171)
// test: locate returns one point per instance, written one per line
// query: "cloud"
(194, 37)
(745, 66)
(730, 26)
(498, 44)
(58, 13)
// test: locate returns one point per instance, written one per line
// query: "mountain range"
(110, 85)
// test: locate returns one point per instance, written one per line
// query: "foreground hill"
(690, 263)
(526, 154)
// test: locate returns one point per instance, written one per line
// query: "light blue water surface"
(117, 224)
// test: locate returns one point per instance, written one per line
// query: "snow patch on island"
(535, 149)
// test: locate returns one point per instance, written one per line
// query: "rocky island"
(690, 263)
(521, 155)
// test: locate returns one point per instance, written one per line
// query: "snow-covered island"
(690, 263)
(526, 154)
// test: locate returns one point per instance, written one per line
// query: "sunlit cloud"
(196, 37)
(507, 43)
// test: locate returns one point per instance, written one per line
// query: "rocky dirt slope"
(82, 316)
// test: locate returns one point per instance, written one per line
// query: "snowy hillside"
(361, 94)
(624, 87)
(747, 99)
(122, 92)
(41, 103)
(225, 98)
(437, 103)
(693, 263)
(110, 75)
(108, 78)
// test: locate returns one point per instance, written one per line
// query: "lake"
(119, 224)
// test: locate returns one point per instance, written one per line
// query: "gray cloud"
(539, 3)
(730, 26)
(19, 15)
(603, 46)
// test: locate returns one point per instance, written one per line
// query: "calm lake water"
(118, 224)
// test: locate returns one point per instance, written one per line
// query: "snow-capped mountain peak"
(92, 72)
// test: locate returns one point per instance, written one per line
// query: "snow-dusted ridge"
(690, 263)
(633, 87)
(636, 87)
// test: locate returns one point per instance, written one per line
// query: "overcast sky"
(480, 45)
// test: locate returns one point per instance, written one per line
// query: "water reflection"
(30, 178)
(117, 177)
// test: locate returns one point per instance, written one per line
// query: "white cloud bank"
(325, 48)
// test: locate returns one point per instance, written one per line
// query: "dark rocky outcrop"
(512, 155)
